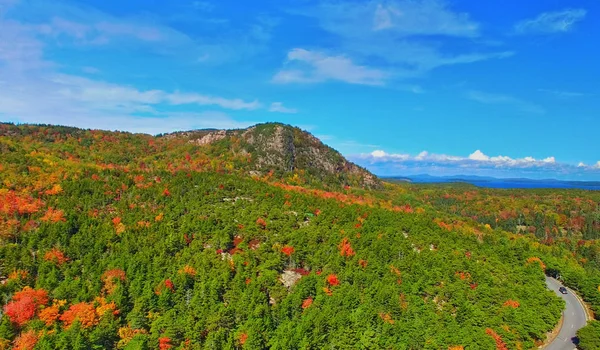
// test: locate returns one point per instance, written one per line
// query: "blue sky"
(402, 86)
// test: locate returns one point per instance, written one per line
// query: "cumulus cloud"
(278, 107)
(477, 158)
(551, 22)
(478, 155)
(306, 66)
(378, 154)
(389, 164)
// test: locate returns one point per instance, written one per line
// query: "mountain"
(273, 150)
(285, 150)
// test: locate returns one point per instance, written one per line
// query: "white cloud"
(489, 98)
(551, 22)
(581, 165)
(477, 159)
(597, 166)
(314, 66)
(32, 91)
(478, 155)
(278, 107)
(378, 154)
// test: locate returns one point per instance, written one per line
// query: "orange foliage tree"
(56, 256)
(307, 303)
(511, 303)
(26, 341)
(345, 248)
(53, 215)
(500, 345)
(83, 312)
(538, 260)
(110, 279)
(50, 314)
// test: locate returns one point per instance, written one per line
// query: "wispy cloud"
(489, 98)
(551, 22)
(398, 35)
(565, 94)
(400, 18)
(32, 88)
(278, 107)
(305, 66)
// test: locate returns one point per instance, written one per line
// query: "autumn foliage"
(307, 303)
(500, 345)
(261, 223)
(26, 341)
(287, 250)
(110, 279)
(536, 260)
(56, 256)
(511, 303)
(164, 343)
(25, 304)
(345, 248)
(54, 215)
(83, 312)
(243, 338)
(333, 280)
(188, 270)
(50, 314)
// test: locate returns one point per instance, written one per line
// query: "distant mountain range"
(492, 182)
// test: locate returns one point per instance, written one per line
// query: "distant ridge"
(492, 182)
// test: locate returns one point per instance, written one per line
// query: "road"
(574, 318)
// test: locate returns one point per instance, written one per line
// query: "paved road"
(574, 318)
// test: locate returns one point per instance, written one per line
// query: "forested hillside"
(225, 240)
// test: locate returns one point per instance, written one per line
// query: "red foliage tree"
(261, 223)
(21, 311)
(333, 280)
(287, 250)
(169, 284)
(164, 343)
(25, 304)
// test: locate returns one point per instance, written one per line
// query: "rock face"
(287, 150)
